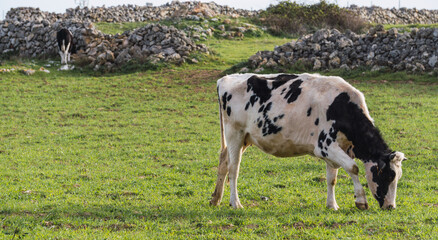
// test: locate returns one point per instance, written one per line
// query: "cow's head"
(382, 177)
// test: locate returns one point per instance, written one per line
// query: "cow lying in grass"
(291, 115)
(65, 45)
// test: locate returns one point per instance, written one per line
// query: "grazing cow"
(290, 115)
(65, 44)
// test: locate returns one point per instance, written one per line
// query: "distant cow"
(291, 115)
(65, 45)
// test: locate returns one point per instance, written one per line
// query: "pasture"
(135, 155)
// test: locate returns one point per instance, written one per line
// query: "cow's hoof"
(214, 202)
(236, 206)
(334, 207)
(362, 206)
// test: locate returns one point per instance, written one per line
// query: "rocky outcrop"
(416, 50)
(153, 43)
(131, 13)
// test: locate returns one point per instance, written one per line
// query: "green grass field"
(134, 156)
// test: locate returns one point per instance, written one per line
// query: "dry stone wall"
(193, 9)
(396, 16)
(130, 13)
(416, 51)
(153, 42)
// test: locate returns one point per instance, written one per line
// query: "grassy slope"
(134, 156)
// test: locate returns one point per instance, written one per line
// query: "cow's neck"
(349, 119)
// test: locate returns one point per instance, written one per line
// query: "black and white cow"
(290, 115)
(65, 45)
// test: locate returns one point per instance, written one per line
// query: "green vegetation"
(134, 156)
(407, 27)
(290, 17)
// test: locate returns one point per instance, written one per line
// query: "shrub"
(289, 17)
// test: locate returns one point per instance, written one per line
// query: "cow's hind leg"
(235, 146)
(222, 172)
(339, 157)
(332, 173)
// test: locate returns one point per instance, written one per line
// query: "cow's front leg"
(331, 182)
(338, 156)
(66, 57)
(62, 57)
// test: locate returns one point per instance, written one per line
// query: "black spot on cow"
(268, 125)
(246, 106)
(333, 133)
(321, 139)
(259, 86)
(324, 154)
(225, 98)
(383, 175)
(328, 141)
(309, 111)
(267, 108)
(281, 79)
(252, 100)
(349, 119)
(284, 77)
(261, 108)
(294, 91)
(228, 111)
(270, 128)
(317, 121)
(278, 117)
(282, 91)
(260, 124)
(311, 134)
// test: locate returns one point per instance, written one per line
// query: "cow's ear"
(397, 157)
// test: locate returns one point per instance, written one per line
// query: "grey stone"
(432, 61)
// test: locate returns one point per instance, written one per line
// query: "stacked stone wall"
(396, 16)
(153, 42)
(416, 51)
(130, 13)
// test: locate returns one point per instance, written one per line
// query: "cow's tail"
(221, 119)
